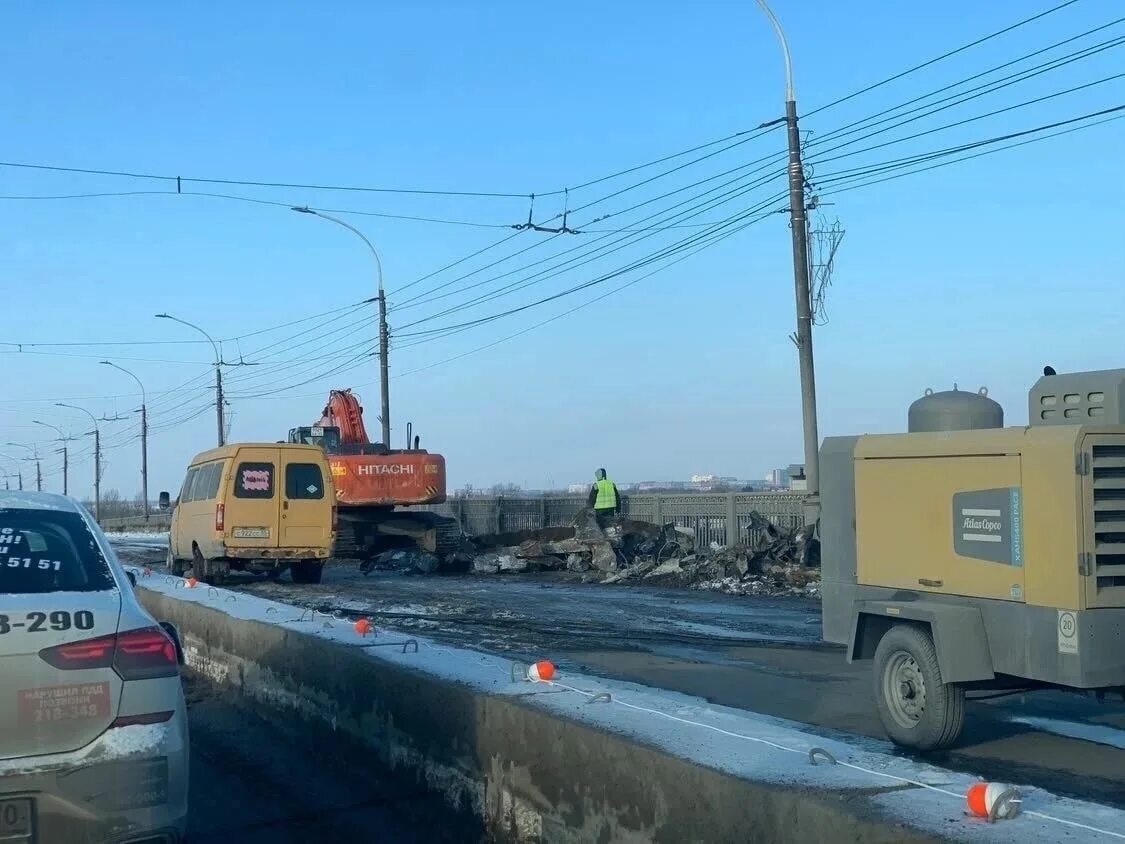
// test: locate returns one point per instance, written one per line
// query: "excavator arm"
(345, 412)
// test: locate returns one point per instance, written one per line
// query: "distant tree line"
(116, 506)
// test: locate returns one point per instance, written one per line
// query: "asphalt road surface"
(254, 781)
(763, 655)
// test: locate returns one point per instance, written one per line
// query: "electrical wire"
(942, 57)
(830, 179)
(574, 309)
(968, 120)
(90, 171)
(429, 296)
(594, 254)
(968, 95)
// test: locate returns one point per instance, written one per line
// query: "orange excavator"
(373, 481)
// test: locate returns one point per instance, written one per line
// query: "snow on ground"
(742, 743)
(1097, 733)
(157, 537)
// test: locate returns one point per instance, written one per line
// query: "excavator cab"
(328, 438)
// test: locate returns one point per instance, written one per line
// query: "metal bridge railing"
(709, 515)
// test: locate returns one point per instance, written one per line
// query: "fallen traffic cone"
(993, 800)
(191, 583)
(363, 627)
(542, 671)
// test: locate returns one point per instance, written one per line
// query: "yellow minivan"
(253, 507)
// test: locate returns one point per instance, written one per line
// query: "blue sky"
(976, 273)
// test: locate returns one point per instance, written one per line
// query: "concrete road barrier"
(542, 764)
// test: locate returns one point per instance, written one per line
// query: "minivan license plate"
(15, 821)
(251, 533)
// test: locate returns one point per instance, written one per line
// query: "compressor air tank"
(954, 410)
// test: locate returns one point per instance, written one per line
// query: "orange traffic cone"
(363, 627)
(191, 583)
(993, 800)
(541, 671)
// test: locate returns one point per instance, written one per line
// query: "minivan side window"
(303, 480)
(254, 480)
(185, 493)
(205, 482)
(214, 479)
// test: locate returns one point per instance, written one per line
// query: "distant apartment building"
(658, 486)
(776, 477)
(708, 482)
(797, 479)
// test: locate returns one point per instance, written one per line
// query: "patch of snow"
(156, 537)
(132, 740)
(1097, 733)
(742, 743)
(117, 743)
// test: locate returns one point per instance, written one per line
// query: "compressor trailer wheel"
(916, 707)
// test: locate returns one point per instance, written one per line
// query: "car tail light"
(136, 655)
(139, 720)
(220, 516)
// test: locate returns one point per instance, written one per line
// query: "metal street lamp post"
(801, 284)
(218, 371)
(384, 333)
(64, 439)
(38, 468)
(19, 472)
(97, 459)
(144, 433)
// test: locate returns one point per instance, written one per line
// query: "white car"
(93, 724)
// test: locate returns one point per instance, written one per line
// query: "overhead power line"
(179, 181)
(940, 58)
(961, 97)
(966, 120)
(256, 201)
(250, 183)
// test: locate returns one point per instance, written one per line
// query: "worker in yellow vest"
(605, 499)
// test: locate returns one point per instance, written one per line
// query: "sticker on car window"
(255, 480)
(51, 704)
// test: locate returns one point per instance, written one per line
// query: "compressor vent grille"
(1109, 517)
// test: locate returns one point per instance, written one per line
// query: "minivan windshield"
(49, 551)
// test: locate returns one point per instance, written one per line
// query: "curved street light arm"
(214, 345)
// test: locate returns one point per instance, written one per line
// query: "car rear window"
(49, 551)
(304, 480)
(254, 480)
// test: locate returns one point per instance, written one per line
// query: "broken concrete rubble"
(403, 559)
(602, 556)
(576, 562)
(768, 560)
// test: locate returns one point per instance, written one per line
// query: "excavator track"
(364, 532)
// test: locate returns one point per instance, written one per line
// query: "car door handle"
(285, 505)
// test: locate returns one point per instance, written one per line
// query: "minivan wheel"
(917, 708)
(307, 571)
(175, 567)
(213, 572)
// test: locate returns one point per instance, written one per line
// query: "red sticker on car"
(81, 701)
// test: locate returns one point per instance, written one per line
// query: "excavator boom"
(344, 412)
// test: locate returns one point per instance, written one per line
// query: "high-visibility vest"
(607, 495)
